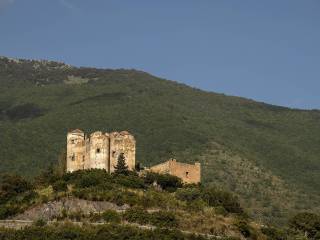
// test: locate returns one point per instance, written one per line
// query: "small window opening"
(113, 153)
(72, 141)
(83, 158)
(187, 174)
(73, 157)
(98, 150)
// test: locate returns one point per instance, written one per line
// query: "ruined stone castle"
(189, 173)
(99, 150)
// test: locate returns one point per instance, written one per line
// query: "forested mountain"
(268, 155)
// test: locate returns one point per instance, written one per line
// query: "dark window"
(113, 153)
(73, 157)
(82, 158)
(72, 141)
(187, 174)
(98, 150)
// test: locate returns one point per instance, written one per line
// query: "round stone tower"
(122, 142)
(75, 150)
(99, 150)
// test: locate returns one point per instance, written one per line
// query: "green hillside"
(273, 152)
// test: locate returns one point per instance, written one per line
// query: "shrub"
(40, 223)
(138, 215)
(60, 186)
(308, 223)
(118, 198)
(12, 185)
(111, 216)
(89, 178)
(77, 215)
(160, 219)
(130, 181)
(196, 205)
(246, 230)
(218, 198)
(7, 211)
(101, 232)
(27, 197)
(188, 194)
(131, 198)
(95, 217)
(274, 233)
(163, 219)
(166, 181)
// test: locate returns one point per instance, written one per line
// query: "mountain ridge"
(21, 60)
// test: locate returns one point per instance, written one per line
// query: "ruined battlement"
(99, 150)
(189, 173)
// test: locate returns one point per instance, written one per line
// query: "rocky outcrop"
(52, 210)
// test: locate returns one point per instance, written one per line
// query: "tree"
(12, 185)
(307, 223)
(121, 167)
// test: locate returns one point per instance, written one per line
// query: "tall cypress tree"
(121, 167)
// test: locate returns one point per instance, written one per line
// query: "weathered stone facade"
(189, 173)
(100, 150)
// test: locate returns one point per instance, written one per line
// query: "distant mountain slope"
(41, 100)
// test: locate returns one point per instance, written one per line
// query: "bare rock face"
(51, 210)
(99, 150)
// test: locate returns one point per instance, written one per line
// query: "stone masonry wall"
(189, 173)
(100, 150)
(75, 150)
(122, 142)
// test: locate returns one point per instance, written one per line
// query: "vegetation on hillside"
(276, 148)
(89, 232)
(169, 205)
(184, 212)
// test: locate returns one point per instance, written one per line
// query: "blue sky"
(267, 50)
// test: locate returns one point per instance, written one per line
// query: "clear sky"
(267, 50)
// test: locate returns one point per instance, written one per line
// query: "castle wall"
(75, 151)
(87, 163)
(163, 168)
(125, 143)
(189, 173)
(99, 151)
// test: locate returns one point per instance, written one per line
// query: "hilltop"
(267, 155)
